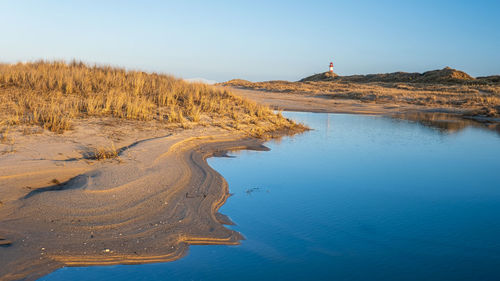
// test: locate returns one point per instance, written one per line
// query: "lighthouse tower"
(331, 67)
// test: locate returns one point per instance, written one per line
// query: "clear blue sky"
(257, 40)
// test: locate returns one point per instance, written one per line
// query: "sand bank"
(325, 104)
(160, 196)
(445, 118)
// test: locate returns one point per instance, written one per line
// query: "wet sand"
(160, 196)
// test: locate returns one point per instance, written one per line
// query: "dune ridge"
(55, 95)
(445, 75)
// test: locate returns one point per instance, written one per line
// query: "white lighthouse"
(331, 67)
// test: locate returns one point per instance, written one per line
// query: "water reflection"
(448, 123)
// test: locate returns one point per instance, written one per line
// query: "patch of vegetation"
(104, 152)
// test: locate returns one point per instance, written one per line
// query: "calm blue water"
(358, 198)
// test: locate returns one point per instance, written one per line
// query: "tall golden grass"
(52, 94)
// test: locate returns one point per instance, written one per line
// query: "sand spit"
(444, 118)
(150, 204)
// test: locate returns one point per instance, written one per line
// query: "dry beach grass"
(53, 94)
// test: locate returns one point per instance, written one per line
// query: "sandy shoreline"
(159, 198)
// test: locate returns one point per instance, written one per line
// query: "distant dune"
(446, 90)
(445, 75)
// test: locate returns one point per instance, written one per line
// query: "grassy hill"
(445, 75)
(53, 94)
